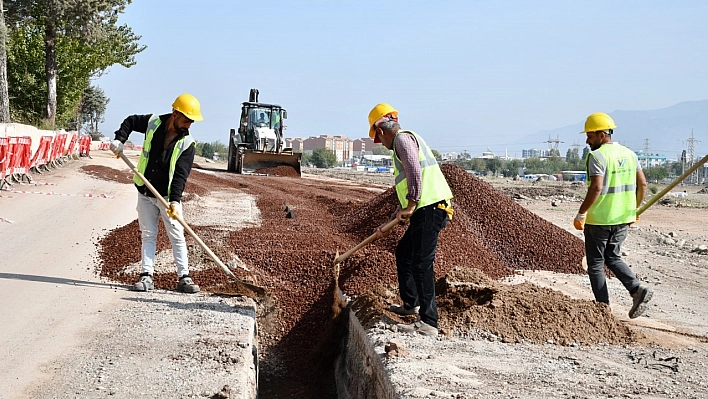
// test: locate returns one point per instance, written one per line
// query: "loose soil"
(511, 287)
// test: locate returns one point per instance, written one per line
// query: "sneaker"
(402, 311)
(145, 283)
(420, 327)
(641, 297)
(187, 285)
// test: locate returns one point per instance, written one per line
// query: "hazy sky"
(466, 75)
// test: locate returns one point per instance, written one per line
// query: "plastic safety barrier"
(18, 164)
(84, 146)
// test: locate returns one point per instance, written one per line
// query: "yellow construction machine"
(258, 142)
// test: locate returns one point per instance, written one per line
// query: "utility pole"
(553, 146)
(691, 155)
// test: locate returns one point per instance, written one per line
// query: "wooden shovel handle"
(388, 226)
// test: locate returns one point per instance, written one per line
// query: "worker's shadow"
(60, 280)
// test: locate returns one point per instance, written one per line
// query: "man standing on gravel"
(616, 188)
(165, 161)
(424, 201)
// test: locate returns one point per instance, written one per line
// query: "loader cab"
(257, 115)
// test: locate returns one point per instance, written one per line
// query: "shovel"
(259, 291)
(341, 258)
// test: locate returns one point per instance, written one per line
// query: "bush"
(653, 189)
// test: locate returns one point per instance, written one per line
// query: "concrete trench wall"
(359, 372)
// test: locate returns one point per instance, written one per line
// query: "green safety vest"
(180, 146)
(617, 203)
(434, 189)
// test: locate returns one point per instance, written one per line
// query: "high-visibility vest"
(180, 146)
(434, 189)
(617, 203)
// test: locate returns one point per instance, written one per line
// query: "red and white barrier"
(25, 148)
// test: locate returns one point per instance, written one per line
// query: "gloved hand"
(116, 147)
(174, 209)
(579, 221)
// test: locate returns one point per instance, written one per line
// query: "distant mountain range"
(668, 130)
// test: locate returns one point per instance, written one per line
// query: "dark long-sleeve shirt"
(158, 167)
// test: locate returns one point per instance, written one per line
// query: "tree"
(80, 36)
(437, 155)
(656, 173)
(93, 108)
(323, 158)
(207, 151)
(4, 97)
(494, 165)
(380, 150)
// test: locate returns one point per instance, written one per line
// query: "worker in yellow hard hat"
(424, 201)
(165, 161)
(616, 189)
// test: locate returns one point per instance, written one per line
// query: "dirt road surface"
(70, 334)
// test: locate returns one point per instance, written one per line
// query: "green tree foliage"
(494, 165)
(437, 155)
(323, 158)
(55, 47)
(380, 150)
(656, 173)
(92, 110)
(207, 151)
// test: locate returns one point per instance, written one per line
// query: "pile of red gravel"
(107, 173)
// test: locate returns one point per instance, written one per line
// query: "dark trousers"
(603, 246)
(415, 254)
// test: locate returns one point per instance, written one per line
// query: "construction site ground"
(73, 329)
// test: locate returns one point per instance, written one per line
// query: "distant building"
(487, 154)
(650, 160)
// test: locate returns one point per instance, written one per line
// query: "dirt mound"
(282, 170)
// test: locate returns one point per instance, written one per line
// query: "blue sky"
(466, 75)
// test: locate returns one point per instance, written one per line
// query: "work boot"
(186, 285)
(419, 327)
(640, 298)
(402, 310)
(145, 283)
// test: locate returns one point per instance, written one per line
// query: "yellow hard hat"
(188, 105)
(598, 121)
(378, 112)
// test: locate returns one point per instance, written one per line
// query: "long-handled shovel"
(340, 258)
(259, 291)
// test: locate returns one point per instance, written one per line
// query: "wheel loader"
(258, 142)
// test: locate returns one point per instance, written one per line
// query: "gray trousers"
(603, 246)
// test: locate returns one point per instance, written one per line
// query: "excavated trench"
(313, 345)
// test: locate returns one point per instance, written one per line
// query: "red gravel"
(293, 258)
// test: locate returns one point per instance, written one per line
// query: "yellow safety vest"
(180, 146)
(434, 189)
(617, 203)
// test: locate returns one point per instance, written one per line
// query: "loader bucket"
(256, 160)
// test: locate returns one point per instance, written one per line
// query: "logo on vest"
(622, 162)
